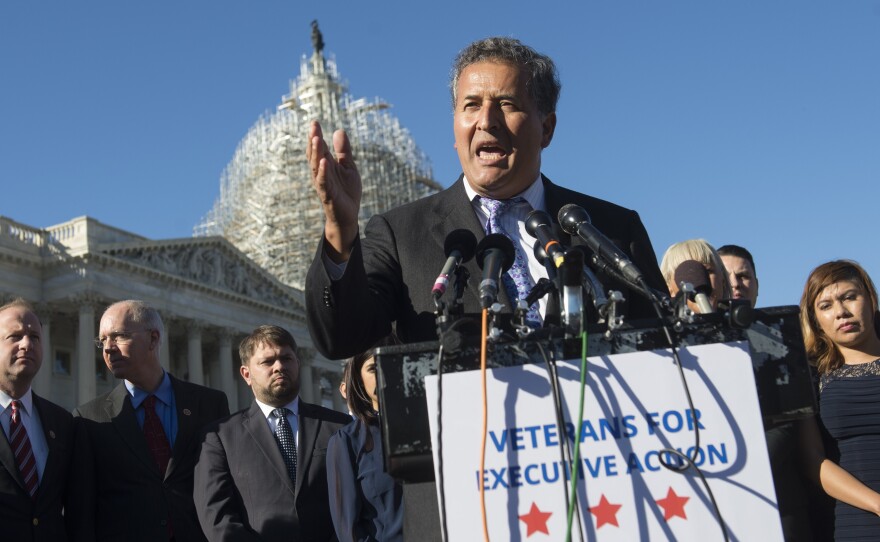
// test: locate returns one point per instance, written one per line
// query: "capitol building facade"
(244, 267)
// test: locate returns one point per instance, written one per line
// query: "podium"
(765, 364)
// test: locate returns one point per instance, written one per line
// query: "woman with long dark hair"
(365, 502)
(841, 327)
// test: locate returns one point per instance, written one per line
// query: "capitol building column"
(165, 347)
(42, 382)
(306, 380)
(194, 353)
(227, 377)
(85, 352)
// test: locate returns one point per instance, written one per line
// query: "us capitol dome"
(267, 207)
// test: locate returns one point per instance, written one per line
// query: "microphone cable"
(575, 462)
(442, 493)
(686, 460)
(483, 345)
(565, 446)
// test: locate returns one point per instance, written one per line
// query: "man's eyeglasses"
(117, 338)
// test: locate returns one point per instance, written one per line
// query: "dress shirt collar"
(27, 401)
(292, 406)
(534, 194)
(163, 393)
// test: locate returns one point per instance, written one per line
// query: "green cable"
(575, 461)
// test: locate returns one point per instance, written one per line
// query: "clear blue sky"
(756, 123)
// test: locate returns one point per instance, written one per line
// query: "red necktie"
(157, 441)
(24, 454)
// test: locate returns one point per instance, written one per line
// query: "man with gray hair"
(137, 445)
(504, 96)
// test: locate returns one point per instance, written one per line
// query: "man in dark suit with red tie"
(137, 445)
(37, 437)
(262, 472)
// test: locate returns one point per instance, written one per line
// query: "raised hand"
(338, 185)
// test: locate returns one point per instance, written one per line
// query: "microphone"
(495, 254)
(459, 248)
(540, 226)
(576, 221)
(572, 275)
(552, 313)
(693, 272)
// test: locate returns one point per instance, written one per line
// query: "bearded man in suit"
(38, 436)
(262, 472)
(136, 446)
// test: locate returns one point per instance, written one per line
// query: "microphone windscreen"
(570, 216)
(536, 219)
(500, 242)
(693, 272)
(463, 241)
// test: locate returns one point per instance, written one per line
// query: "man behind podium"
(37, 437)
(137, 444)
(504, 100)
(262, 472)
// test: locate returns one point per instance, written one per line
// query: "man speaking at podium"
(504, 95)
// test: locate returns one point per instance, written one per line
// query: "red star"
(673, 505)
(605, 512)
(536, 521)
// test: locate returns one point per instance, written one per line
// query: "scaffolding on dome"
(267, 206)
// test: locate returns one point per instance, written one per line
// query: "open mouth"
(491, 153)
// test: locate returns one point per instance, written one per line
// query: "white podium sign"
(634, 407)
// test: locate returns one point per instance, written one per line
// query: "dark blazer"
(393, 267)
(365, 502)
(121, 493)
(242, 489)
(21, 517)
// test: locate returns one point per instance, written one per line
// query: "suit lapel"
(7, 459)
(121, 413)
(50, 431)
(186, 410)
(256, 426)
(309, 427)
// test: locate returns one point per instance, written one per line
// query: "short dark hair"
(274, 335)
(543, 79)
(19, 302)
(738, 252)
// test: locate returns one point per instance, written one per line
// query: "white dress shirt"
(292, 417)
(31, 420)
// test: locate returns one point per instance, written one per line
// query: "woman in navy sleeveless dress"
(840, 322)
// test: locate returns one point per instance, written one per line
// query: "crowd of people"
(158, 458)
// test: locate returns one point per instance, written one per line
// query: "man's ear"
(154, 339)
(548, 129)
(245, 374)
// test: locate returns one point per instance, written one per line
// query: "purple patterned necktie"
(517, 279)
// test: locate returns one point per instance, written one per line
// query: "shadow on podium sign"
(635, 407)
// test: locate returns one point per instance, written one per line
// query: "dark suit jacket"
(21, 517)
(393, 267)
(242, 489)
(121, 493)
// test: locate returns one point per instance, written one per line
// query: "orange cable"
(483, 341)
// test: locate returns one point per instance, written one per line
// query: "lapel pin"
(51, 433)
(187, 412)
